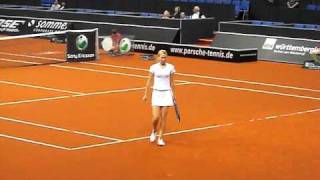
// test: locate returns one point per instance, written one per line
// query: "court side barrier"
(194, 51)
(270, 48)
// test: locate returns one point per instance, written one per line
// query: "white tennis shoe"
(160, 142)
(153, 136)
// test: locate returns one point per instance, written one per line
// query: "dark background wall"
(277, 11)
(219, 12)
(22, 2)
(283, 2)
(259, 10)
(156, 6)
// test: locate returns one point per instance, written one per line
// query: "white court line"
(33, 100)
(107, 72)
(209, 77)
(123, 90)
(30, 56)
(57, 128)
(182, 74)
(190, 130)
(71, 96)
(41, 87)
(48, 53)
(98, 71)
(111, 91)
(147, 137)
(34, 142)
(18, 61)
(257, 91)
(286, 115)
(198, 83)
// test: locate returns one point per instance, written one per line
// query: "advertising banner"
(20, 26)
(273, 48)
(193, 51)
(82, 45)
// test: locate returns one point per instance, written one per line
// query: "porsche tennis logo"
(81, 42)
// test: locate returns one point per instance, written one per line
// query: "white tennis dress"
(162, 93)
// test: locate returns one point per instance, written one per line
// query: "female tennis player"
(161, 74)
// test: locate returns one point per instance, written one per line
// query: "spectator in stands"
(176, 14)
(165, 15)
(293, 3)
(196, 13)
(55, 6)
(116, 37)
(183, 15)
(63, 5)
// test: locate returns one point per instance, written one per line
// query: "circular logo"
(125, 45)
(81, 42)
(31, 23)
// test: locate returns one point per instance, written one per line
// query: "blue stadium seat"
(311, 7)
(236, 2)
(299, 25)
(184, 0)
(311, 26)
(201, 1)
(318, 8)
(154, 15)
(109, 12)
(210, 1)
(144, 14)
(244, 5)
(226, 1)
(267, 23)
(47, 3)
(278, 23)
(237, 10)
(218, 1)
(256, 22)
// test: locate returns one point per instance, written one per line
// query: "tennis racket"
(176, 108)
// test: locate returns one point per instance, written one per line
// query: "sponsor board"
(210, 53)
(11, 25)
(82, 45)
(286, 48)
(280, 49)
(44, 26)
(18, 26)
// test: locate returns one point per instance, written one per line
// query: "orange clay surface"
(87, 121)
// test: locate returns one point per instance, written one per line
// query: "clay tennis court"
(257, 120)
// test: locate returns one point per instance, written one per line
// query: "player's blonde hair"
(162, 51)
